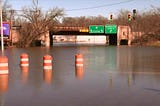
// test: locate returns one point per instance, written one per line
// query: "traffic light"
(134, 11)
(134, 14)
(111, 18)
(129, 17)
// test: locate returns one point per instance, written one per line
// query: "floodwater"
(111, 76)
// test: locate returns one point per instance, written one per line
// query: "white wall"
(91, 39)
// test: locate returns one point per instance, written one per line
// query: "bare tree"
(84, 21)
(35, 23)
(6, 11)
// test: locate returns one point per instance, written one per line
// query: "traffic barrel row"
(24, 63)
(47, 62)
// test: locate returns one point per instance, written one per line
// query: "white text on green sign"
(96, 29)
(110, 29)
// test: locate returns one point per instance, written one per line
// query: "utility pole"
(2, 43)
(11, 16)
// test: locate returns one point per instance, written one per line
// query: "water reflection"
(79, 72)
(124, 79)
(110, 80)
(24, 74)
(47, 76)
(129, 80)
(3, 88)
(109, 73)
(138, 59)
(3, 83)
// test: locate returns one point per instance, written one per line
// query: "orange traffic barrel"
(3, 65)
(3, 83)
(79, 60)
(47, 76)
(47, 62)
(24, 62)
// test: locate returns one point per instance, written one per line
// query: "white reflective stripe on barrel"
(79, 59)
(3, 71)
(24, 65)
(47, 61)
(47, 67)
(3, 64)
(79, 64)
(24, 59)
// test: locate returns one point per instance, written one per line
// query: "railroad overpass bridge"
(116, 35)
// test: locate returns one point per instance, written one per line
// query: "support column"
(47, 39)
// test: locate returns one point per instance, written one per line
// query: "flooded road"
(111, 76)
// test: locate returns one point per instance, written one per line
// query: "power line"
(100, 6)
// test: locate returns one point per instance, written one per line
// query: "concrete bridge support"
(47, 40)
(124, 33)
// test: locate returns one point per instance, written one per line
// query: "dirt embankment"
(147, 40)
(149, 43)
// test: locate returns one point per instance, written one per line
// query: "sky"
(77, 8)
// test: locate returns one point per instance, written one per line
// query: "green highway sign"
(96, 29)
(110, 29)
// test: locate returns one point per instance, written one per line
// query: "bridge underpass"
(109, 39)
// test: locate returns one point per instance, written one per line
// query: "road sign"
(110, 29)
(96, 29)
(6, 29)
